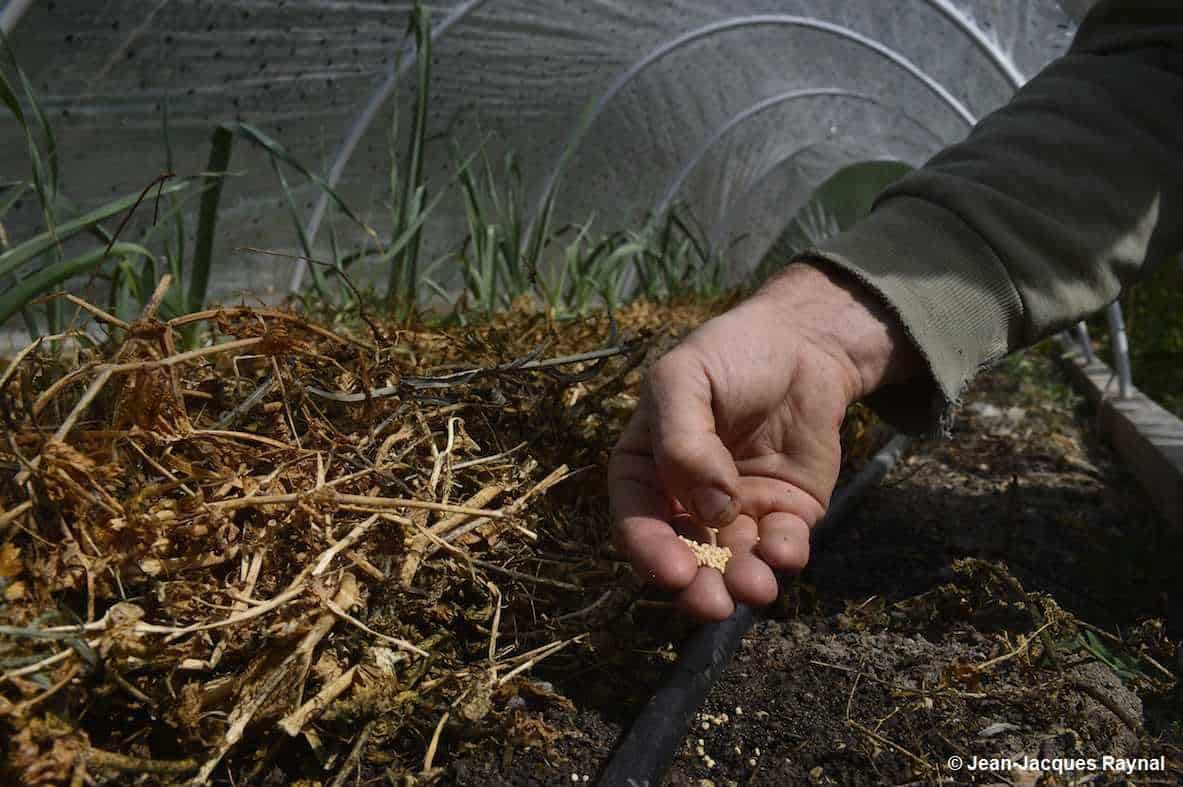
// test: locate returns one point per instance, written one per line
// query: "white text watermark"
(1059, 765)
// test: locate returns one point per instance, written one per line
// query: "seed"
(709, 555)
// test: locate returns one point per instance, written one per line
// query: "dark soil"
(915, 634)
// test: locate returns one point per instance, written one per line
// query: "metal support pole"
(1080, 330)
(1121, 349)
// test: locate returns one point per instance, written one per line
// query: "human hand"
(737, 429)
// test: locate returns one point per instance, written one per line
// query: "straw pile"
(295, 551)
(239, 541)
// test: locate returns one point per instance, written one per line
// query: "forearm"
(1040, 217)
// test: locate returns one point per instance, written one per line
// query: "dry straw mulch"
(299, 550)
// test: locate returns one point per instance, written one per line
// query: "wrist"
(847, 319)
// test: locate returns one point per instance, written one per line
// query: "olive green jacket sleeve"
(1040, 217)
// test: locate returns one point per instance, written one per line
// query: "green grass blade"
(14, 258)
(45, 178)
(277, 150)
(18, 191)
(318, 278)
(404, 267)
(15, 298)
(178, 220)
(221, 145)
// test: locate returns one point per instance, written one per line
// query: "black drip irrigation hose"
(645, 754)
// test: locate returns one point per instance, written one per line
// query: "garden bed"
(233, 564)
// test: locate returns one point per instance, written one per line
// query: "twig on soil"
(543, 653)
(927, 766)
(1024, 643)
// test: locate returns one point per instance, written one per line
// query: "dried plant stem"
(161, 468)
(16, 361)
(1024, 643)
(95, 310)
(247, 404)
(49, 661)
(253, 612)
(355, 500)
(495, 629)
(91, 392)
(401, 644)
(554, 477)
(352, 537)
(174, 374)
(262, 692)
(157, 298)
(354, 754)
(8, 517)
(123, 762)
(421, 546)
(247, 436)
(927, 766)
(544, 653)
(24, 707)
(57, 386)
(484, 460)
(252, 576)
(295, 721)
(185, 357)
(273, 314)
(462, 377)
(429, 757)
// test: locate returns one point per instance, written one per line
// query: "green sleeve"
(1040, 217)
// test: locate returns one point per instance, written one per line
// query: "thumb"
(694, 465)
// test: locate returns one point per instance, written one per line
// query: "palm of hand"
(740, 409)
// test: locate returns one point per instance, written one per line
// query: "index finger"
(641, 513)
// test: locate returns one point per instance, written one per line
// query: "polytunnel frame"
(382, 93)
(12, 14)
(726, 25)
(721, 228)
(15, 9)
(733, 123)
(759, 107)
(583, 126)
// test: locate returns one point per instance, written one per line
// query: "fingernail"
(710, 504)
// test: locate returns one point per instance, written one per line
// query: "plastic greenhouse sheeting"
(736, 109)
